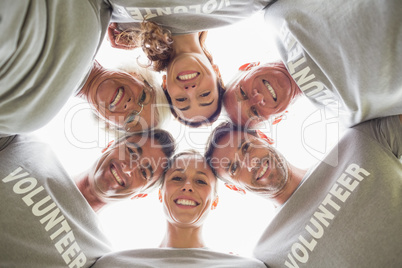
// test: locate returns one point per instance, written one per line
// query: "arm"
(387, 131)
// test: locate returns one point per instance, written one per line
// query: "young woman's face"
(263, 91)
(191, 82)
(188, 191)
(123, 99)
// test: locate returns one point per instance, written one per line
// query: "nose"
(190, 86)
(257, 98)
(251, 163)
(126, 168)
(129, 104)
(187, 187)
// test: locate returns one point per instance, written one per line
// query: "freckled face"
(261, 92)
(251, 163)
(128, 168)
(116, 95)
(192, 85)
(188, 191)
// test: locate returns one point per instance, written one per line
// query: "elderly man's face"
(123, 99)
(261, 92)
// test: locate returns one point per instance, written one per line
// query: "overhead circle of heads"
(181, 80)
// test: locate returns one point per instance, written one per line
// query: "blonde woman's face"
(124, 100)
(191, 82)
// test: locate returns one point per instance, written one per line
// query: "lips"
(116, 176)
(187, 76)
(262, 171)
(186, 202)
(270, 89)
(117, 97)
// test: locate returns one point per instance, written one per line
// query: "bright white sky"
(303, 137)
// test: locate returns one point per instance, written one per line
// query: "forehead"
(188, 162)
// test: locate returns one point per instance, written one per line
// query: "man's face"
(129, 168)
(251, 163)
(263, 91)
(118, 96)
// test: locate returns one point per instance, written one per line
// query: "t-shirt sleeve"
(385, 130)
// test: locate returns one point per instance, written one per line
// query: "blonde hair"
(161, 103)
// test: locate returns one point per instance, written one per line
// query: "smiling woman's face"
(122, 99)
(188, 191)
(192, 85)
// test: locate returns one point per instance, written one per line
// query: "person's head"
(128, 97)
(193, 84)
(245, 159)
(258, 92)
(132, 166)
(188, 190)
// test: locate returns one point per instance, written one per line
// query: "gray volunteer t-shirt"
(348, 215)
(44, 219)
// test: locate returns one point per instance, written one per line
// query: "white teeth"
(264, 169)
(187, 76)
(186, 202)
(116, 176)
(271, 90)
(118, 97)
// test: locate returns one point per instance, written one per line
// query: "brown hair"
(157, 44)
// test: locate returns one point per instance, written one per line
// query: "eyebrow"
(202, 173)
(136, 146)
(207, 104)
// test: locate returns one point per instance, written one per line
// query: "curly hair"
(157, 44)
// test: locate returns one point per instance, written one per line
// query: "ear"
(138, 196)
(107, 147)
(235, 188)
(248, 66)
(160, 195)
(215, 203)
(264, 137)
(164, 83)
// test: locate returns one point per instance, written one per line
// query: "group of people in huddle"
(345, 57)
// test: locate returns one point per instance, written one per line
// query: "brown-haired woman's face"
(191, 82)
(124, 100)
(188, 191)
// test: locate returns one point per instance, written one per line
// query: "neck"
(295, 177)
(183, 237)
(82, 182)
(187, 43)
